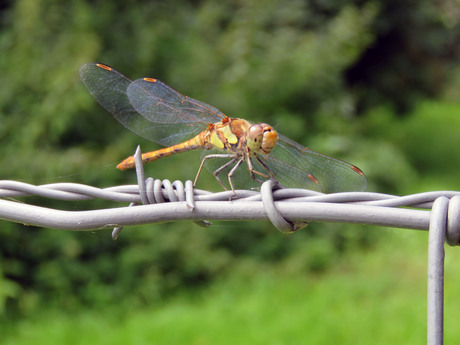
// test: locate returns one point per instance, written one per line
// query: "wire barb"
(151, 191)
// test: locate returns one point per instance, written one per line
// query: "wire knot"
(155, 191)
(277, 219)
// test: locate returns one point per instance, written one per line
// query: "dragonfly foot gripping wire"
(277, 219)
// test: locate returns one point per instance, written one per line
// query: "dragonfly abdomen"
(192, 144)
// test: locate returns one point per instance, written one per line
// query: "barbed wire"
(166, 201)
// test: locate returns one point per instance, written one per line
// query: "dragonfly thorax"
(261, 138)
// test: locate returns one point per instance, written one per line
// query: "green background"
(374, 83)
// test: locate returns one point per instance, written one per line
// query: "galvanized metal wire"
(161, 201)
(154, 201)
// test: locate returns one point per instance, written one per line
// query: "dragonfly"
(157, 112)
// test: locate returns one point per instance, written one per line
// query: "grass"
(374, 297)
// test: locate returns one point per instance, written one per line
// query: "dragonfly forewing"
(176, 117)
(160, 103)
(109, 88)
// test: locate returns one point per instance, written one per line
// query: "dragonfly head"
(261, 138)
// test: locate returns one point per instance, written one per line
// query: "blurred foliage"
(415, 49)
(344, 77)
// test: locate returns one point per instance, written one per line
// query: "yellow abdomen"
(191, 144)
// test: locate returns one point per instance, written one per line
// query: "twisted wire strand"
(174, 201)
(173, 192)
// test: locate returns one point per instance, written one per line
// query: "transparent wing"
(296, 166)
(160, 103)
(177, 117)
(163, 115)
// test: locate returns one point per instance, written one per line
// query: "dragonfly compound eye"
(269, 139)
(261, 138)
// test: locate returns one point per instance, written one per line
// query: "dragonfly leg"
(218, 170)
(265, 166)
(252, 171)
(230, 174)
(272, 175)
